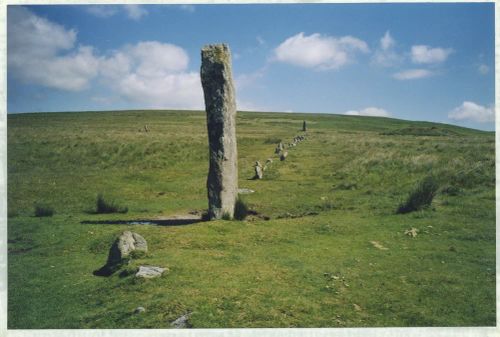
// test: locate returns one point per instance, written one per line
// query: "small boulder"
(139, 310)
(126, 243)
(123, 246)
(149, 271)
(284, 155)
(182, 322)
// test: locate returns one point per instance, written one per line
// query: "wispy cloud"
(135, 12)
(319, 52)
(473, 112)
(247, 79)
(102, 11)
(483, 69)
(387, 42)
(385, 55)
(413, 74)
(370, 111)
(423, 54)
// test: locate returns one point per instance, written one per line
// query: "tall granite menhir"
(218, 88)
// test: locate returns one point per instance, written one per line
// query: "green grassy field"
(333, 252)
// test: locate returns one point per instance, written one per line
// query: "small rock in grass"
(245, 191)
(411, 232)
(149, 271)
(126, 243)
(139, 310)
(121, 249)
(378, 245)
(356, 307)
(182, 322)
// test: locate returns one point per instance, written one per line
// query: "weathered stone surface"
(182, 322)
(259, 171)
(284, 155)
(139, 310)
(220, 105)
(149, 271)
(126, 243)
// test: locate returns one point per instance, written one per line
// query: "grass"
(421, 197)
(105, 207)
(310, 264)
(43, 210)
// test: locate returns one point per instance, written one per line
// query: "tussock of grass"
(42, 210)
(104, 207)
(421, 197)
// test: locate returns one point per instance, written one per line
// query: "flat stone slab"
(245, 191)
(149, 271)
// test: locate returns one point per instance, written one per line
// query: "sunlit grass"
(312, 264)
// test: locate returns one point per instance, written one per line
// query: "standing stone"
(304, 126)
(279, 148)
(259, 171)
(284, 155)
(220, 105)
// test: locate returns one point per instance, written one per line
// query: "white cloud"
(387, 41)
(153, 74)
(42, 52)
(473, 112)
(319, 52)
(427, 55)
(385, 55)
(371, 111)
(413, 74)
(135, 12)
(102, 11)
(483, 69)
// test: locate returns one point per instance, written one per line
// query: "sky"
(415, 61)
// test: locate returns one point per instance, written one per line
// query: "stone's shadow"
(154, 222)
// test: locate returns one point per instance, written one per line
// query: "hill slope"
(324, 248)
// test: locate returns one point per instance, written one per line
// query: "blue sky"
(420, 61)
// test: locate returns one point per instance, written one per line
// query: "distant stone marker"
(284, 155)
(304, 126)
(220, 105)
(259, 171)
